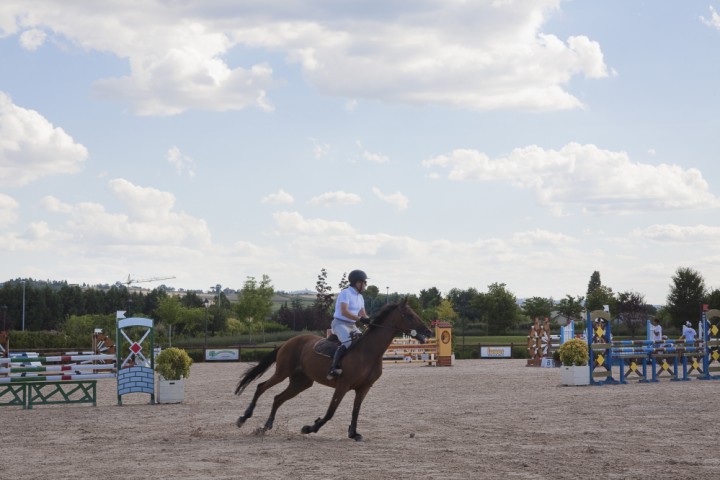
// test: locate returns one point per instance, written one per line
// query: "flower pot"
(575, 375)
(171, 391)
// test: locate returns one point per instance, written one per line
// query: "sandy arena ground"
(479, 419)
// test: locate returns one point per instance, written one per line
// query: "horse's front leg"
(352, 430)
(334, 403)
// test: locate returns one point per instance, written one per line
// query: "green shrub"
(574, 352)
(173, 364)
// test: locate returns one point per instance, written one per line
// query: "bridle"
(412, 332)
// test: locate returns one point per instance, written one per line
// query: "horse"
(297, 360)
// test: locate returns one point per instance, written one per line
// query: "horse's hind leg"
(298, 383)
(261, 388)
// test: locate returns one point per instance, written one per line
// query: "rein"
(412, 333)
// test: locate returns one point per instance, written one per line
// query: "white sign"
(495, 352)
(547, 363)
(222, 354)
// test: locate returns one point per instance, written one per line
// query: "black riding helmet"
(357, 276)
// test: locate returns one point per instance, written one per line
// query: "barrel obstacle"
(30, 380)
(648, 361)
(435, 352)
(542, 344)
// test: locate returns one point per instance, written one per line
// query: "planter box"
(171, 391)
(575, 375)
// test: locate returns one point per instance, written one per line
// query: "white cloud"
(397, 200)
(182, 163)
(375, 157)
(279, 197)
(295, 223)
(597, 181)
(713, 21)
(542, 237)
(32, 39)
(176, 57)
(8, 210)
(32, 148)
(679, 234)
(351, 105)
(472, 55)
(320, 149)
(329, 199)
(148, 221)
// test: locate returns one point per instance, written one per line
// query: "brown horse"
(361, 366)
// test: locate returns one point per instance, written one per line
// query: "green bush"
(173, 364)
(574, 352)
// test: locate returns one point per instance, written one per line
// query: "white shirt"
(689, 333)
(354, 301)
(657, 333)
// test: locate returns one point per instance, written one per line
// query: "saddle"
(327, 346)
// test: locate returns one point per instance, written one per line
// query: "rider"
(349, 308)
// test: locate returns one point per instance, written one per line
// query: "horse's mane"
(384, 312)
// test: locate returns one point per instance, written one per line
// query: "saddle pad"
(326, 346)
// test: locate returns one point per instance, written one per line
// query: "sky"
(431, 143)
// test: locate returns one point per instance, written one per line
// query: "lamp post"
(207, 304)
(23, 310)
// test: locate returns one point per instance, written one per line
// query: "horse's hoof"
(306, 429)
(358, 438)
(240, 422)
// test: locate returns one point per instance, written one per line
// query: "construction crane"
(131, 280)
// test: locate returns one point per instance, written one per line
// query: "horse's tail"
(256, 372)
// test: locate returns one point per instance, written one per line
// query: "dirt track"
(478, 419)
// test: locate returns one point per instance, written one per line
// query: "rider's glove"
(364, 320)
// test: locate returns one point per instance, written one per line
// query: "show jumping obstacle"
(75, 384)
(649, 361)
(541, 344)
(437, 352)
(28, 380)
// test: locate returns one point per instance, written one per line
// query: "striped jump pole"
(56, 378)
(58, 358)
(75, 367)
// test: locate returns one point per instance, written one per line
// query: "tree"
(713, 299)
(538, 307)
(255, 300)
(632, 310)
(462, 301)
(571, 307)
(598, 298)
(445, 311)
(370, 295)
(324, 300)
(686, 295)
(499, 308)
(168, 311)
(430, 298)
(594, 282)
(344, 282)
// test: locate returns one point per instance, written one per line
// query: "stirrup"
(334, 373)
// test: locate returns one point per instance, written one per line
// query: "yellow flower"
(574, 352)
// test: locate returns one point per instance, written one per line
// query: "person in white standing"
(688, 333)
(656, 330)
(349, 309)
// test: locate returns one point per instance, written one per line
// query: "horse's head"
(405, 320)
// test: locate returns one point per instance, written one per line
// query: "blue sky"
(431, 143)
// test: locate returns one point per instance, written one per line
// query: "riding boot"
(335, 370)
